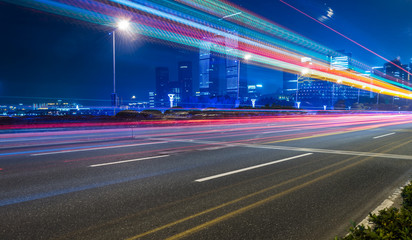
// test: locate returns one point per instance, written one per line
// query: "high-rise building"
(152, 97)
(185, 79)
(209, 69)
(317, 93)
(290, 85)
(397, 70)
(254, 91)
(162, 86)
(409, 77)
(222, 74)
(236, 82)
(392, 68)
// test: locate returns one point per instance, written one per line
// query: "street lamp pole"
(303, 73)
(114, 69)
(171, 99)
(122, 25)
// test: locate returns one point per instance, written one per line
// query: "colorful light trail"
(344, 36)
(208, 23)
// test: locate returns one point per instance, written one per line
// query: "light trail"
(255, 22)
(346, 37)
(175, 22)
(243, 133)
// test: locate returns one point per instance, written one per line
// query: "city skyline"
(205, 119)
(52, 56)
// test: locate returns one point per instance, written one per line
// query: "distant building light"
(259, 85)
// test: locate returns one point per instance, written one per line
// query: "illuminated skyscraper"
(317, 93)
(209, 67)
(390, 69)
(222, 74)
(289, 84)
(393, 69)
(236, 82)
(185, 79)
(152, 99)
(162, 86)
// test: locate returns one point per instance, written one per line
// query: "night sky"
(47, 56)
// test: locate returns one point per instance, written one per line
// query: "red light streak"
(307, 127)
(353, 41)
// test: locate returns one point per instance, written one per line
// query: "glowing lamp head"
(305, 71)
(123, 25)
(247, 56)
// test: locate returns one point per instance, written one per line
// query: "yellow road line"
(72, 234)
(258, 203)
(239, 199)
(403, 130)
(261, 202)
(271, 198)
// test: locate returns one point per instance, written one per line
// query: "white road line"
(250, 168)
(97, 148)
(126, 161)
(383, 135)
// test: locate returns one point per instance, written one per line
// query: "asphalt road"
(290, 177)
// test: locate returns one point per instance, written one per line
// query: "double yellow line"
(263, 201)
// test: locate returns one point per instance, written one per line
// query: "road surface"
(290, 177)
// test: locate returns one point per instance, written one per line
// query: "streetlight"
(303, 73)
(171, 99)
(122, 25)
(253, 102)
